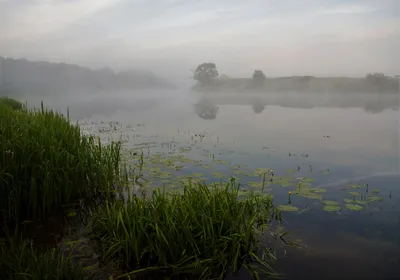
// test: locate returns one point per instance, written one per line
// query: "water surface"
(334, 142)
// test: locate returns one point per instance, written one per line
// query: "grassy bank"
(45, 162)
(203, 233)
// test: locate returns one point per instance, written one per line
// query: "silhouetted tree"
(259, 78)
(382, 83)
(259, 75)
(205, 73)
(376, 78)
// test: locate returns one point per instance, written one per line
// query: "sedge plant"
(203, 232)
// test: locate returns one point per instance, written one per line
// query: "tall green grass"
(204, 232)
(19, 260)
(45, 162)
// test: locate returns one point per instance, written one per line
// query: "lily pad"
(255, 184)
(307, 180)
(303, 185)
(330, 202)
(348, 200)
(354, 186)
(318, 190)
(260, 171)
(285, 184)
(374, 198)
(218, 175)
(331, 208)
(355, 193)
(362, 202)
(308, 194)
(288, 208)
(197, 174)
(353, 207)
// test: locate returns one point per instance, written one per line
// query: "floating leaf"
(355, 193)
(375, 191)
(331, 208)
(308, 194)
(330, 202)
(307, 180)
(362, 202)
(303, 185)
(218, 175)
(353, 207)
(255, 184)
(318, 190)
(288, 208)
(240, 172)
(197, 174)
(348, 200)
(374, 198)
(354, 186)
(260, 171)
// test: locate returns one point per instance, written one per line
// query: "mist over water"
(357, 144)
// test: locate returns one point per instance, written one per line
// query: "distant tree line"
(206, 74)
(21, 75)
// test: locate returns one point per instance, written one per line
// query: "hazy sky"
(286, 37)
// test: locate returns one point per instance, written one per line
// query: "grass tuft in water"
(45, 162)
(203, 232)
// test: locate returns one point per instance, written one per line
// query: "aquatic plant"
(204, 231)
(20, 260)
(45, 162)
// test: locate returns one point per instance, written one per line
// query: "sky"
(171, 37)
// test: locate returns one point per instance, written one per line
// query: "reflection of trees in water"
(258, 107)
(375, 107)
(206, 109)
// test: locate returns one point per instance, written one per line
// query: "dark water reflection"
(356, 138)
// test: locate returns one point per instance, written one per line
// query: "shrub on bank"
(45, 162)
(16, 105)
(203, 232)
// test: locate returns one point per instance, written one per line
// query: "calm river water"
(344, 151)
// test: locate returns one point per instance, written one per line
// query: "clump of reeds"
(204, 232)
(19, 260)
(45, 162)
(16, 105)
